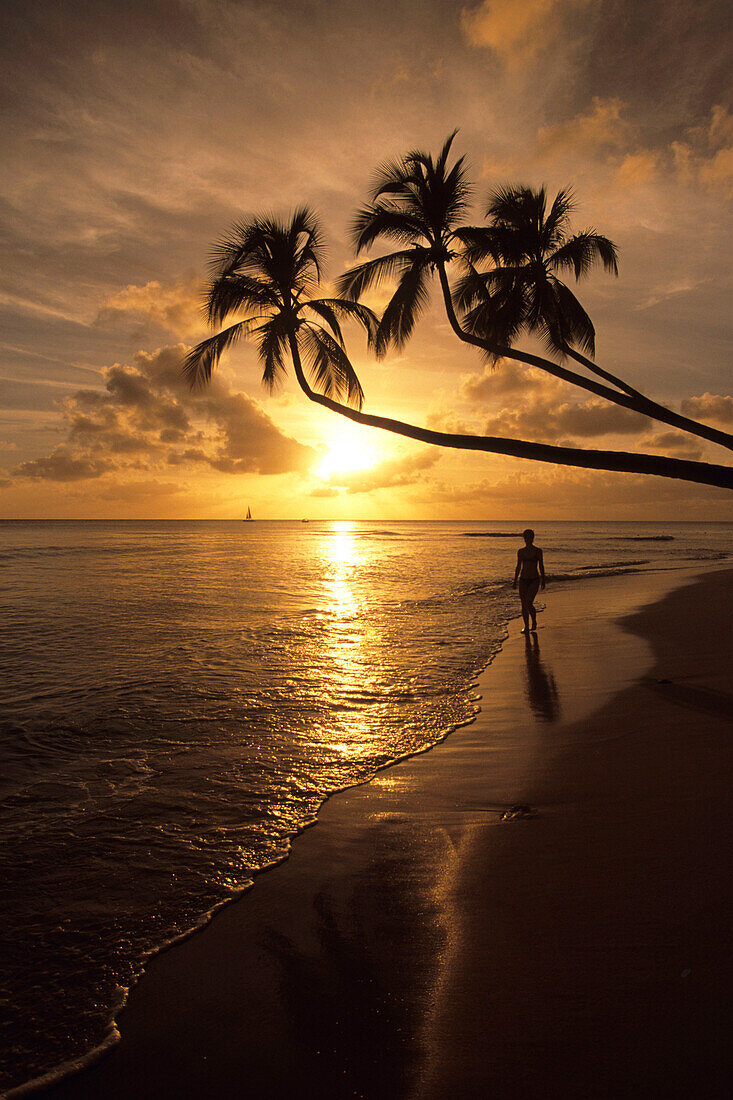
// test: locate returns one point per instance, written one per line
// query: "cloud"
(637, 168)
(405, 470)
(61, 465)
(531, 407)
(601, 127)
(717, 407)
(145, 415)
(674, 443)
(505, 379)
(172, 306)
(540, 420)
(706, 154)
(518, 30)
(541, 491)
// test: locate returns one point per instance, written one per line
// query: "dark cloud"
(146, 411)
(548, 420)
(667, 58)
(553, 423)
(61, 465)
(677, 444)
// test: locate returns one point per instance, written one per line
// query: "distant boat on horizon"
(248, 516)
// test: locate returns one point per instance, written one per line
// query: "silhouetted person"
(530, 573)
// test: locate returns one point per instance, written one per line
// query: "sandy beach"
(538, 906)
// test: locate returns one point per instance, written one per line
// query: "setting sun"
(348, 450)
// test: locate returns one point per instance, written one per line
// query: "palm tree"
(417, 202)
(266, 271)
(528, 245)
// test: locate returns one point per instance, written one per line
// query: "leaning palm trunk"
(629, 399)
(654, 410)
(266, 271)
(615, 461)
(608, 377)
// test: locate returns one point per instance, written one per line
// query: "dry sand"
(417, 945)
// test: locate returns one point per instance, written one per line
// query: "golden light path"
(345, 650)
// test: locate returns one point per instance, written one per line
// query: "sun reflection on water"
(345, 656)
(342, 555)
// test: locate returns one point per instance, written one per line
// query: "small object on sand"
(515, 812)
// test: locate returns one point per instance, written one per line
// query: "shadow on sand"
(542, 693)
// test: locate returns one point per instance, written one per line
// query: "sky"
(135, 134)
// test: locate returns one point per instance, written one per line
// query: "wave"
(592, 574)
(641, 538)
(492, 534)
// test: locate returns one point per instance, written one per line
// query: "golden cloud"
(517, 30)
(146, 416)
(175, 307)
(707, 154)
(504, 379)
(603, 125)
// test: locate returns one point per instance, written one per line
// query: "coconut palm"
(417, 203)
(266, 271)
(528, 244)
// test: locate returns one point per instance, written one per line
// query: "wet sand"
(421, 942)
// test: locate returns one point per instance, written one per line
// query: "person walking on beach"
(530, 574)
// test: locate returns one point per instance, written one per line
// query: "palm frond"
(581, 252)
(443, 154)
(493, 304)
(404, 308)
(425, 191)
(327, 313)
(201, 360)
(272, 346)
(379, 220)
(567, 323)
(501, 244)
(307, 242)
(552, 232)
(473, 287)
(356, 311)
(509, 205)
(229, 294)
(234, 248)
(329, 365)
(352, 284)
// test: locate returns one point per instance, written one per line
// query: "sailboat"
(248, 516)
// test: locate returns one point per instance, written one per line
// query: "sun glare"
(348, 451)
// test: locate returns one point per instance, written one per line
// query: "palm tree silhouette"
(528, 245)
(417, 202)
(266, 270)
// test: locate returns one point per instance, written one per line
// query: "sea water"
(177, 699)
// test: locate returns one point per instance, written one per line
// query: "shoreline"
(380, 811)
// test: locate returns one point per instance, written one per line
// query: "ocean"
(177, 699)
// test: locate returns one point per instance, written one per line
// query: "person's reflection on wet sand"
(541, 688)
